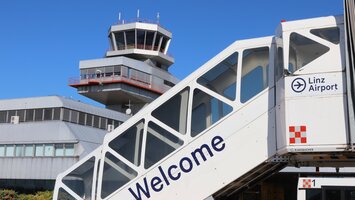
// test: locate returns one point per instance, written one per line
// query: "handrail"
(145, 47)
(135, 80)
(141, 20)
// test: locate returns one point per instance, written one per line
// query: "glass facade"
(39, 150)
(28, 150)
(65, 114)
(59, 149)
(9, 150)
(141, 39)
(119, 73)
(36, 150)
(120, 41)
(68, 149)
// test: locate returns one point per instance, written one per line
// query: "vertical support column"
(125, 40)
(153, 43)
(160, 41)
(135, 38)
(145, 39)
(167, 46)
(61, 114)
(113, 41)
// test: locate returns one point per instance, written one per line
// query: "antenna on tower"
(137, 13)
(158, 17)
(119, 17)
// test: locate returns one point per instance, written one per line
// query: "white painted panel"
(324, 118)
(224, 167)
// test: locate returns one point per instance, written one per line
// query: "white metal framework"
(257, 100)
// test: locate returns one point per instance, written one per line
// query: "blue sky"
(42, 41)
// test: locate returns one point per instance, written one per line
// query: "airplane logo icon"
(298, 85)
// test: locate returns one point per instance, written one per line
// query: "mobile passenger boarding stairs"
(257, 106)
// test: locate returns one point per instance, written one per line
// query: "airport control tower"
(134, 70)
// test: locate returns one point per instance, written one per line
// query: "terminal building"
(43, 136)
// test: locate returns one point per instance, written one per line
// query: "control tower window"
(109, 71)
(120, 40)
(149, 40)
(91, 73)
(130, 38)
(174, 111)
(222, 78)
(83, 74)
(111, 40)
(163, 44)
(117, 70)
(140, 39)
(303, 51)
(129, 143)
(254, 72)
(157, 41)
